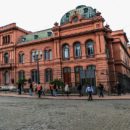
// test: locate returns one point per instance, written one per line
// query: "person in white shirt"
(89, 90)
(67, 89)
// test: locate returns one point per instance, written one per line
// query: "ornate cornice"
(79, 24)
(118, 41)
(79, 34)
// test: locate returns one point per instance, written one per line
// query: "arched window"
(77, 70)
(90, 48)
(6, 77)
(36, 55)
(48, 54)
(91, 67)
(77, 50)
(48, 75)
(21, 75)
(66, 54)
(34, 76)
(21, 58)
(67, 75)
(32, 56)
(6, 58)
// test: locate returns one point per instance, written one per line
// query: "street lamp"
(37, 55)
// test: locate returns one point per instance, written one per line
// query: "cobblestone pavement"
(43, 114)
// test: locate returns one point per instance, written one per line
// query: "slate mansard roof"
(83, 10)
(36, 36)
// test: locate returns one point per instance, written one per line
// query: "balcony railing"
(7, 65)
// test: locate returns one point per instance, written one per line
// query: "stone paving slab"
(71, 97)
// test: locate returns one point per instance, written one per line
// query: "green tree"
(59, 83)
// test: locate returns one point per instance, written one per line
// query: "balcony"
(7, 65)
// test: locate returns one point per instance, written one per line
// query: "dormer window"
(49, 34)
(85, 10)
(75, 19)
(35, 36)
(23, 39)
(67, 15)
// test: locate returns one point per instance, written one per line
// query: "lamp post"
(37, 55)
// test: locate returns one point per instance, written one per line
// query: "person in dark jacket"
(19, 88)
(80, 89)
(31, 89)
(51, 89)
(101, 89)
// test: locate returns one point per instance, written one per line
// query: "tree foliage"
(57, 82)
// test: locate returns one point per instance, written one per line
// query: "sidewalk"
(71, 97)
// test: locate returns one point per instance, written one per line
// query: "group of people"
(53, 89)
(33, 88)
(38, 89)
(88, 89)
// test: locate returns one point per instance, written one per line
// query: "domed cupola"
(83, 11)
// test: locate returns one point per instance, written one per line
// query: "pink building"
(81, 42)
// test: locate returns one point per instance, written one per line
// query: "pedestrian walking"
(51, 89)
(101, 89)
(35, 87)
(19, 88)
(43, 90)
(89, 90)
(31, 89)
(67, 89)
(54, 90)
(39, 90)
(79, 88)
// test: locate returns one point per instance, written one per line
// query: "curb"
(64, 98)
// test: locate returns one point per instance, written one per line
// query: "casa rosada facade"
(66, 51)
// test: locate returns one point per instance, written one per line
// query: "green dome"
(83, 10)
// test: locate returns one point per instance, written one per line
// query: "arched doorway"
(77, 71)
(67, 75)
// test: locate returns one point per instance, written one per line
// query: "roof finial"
(56, 24)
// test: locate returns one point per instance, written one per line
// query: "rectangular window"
(32, 57)
(50, 55)
(21, 58)
(48, 75)
(6, 39)
(49, 34)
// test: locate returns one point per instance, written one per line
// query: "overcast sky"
(35, 15)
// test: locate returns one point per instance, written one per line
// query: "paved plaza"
(46, 114)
